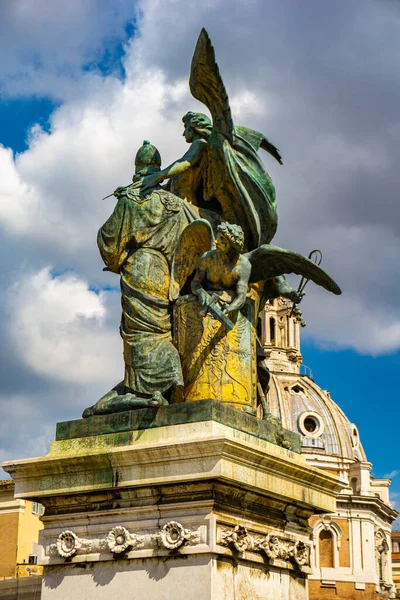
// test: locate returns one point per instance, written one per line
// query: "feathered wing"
(196, 239)
(206, 85)
(258, 140)
(271, 261)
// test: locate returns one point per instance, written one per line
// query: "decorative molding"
(271, 546)
(67, 544)
(173, 535)
(236, 539)
(119, 540)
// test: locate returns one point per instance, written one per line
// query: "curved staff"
(316, 257)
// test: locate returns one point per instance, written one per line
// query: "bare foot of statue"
(115, 401)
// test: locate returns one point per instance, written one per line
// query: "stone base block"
(172, 578)
(207, 508)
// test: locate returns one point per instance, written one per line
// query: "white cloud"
(51, 193)
(50, 206)
(60, 329)
(392, 474)
(46, 44)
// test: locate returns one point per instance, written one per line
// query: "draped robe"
(138, 241)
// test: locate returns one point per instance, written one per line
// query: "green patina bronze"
(122, 428)
(161, 242)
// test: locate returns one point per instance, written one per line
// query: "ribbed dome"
(310, 411)
(297, 400)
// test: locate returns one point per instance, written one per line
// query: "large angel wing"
(271, 261)
(258, 140)
(196, 239)
(207, 86)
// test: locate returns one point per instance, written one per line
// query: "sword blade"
(220, 316)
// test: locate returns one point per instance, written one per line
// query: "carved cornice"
(369, 503)
(271, 546)
(119, 540)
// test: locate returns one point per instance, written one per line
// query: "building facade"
(352, 547)
(396, 560)
(19, 532)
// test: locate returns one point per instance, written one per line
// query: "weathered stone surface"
(121, 425)
(198, 501)
(191, 452)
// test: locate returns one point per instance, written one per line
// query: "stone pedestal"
(193, 501)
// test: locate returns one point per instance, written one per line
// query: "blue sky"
(323, 84)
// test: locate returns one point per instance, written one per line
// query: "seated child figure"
(224, 269)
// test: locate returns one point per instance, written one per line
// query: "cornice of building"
(369, 503)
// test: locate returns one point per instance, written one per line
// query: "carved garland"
(271, 546)
(118, 540)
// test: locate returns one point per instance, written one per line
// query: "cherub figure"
(224, 269)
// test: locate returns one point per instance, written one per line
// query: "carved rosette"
(173, 535)
(271, 546)
(67, 544)
(119, 539)
(301, 554)
(236, 538)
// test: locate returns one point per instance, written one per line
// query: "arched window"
(354, 485)
(326, 535)
(272, 331)
(326, 549)
(260, 329)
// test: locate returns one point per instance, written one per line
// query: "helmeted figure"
(138, 243)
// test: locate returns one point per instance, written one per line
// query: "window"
(310, 423)
(260, 330)
(327, 536)
(355, 438)
(354, 485)
(297, 389)
(272, 331)
(326, 549)
(37, 508)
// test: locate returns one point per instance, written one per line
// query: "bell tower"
(280, 336)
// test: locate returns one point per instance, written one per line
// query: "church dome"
(305, 408)
(327, 434)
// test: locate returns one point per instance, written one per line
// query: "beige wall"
(19, 529)
(28, 532)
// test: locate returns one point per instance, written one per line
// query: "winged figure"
(227, 267)
(222, 172)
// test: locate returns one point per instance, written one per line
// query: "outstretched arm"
(190, 158)
(241, 287)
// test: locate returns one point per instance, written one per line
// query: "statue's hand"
(148, 182)
(234, 306)
(294, 296)
(204, 298)
(118, 192)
